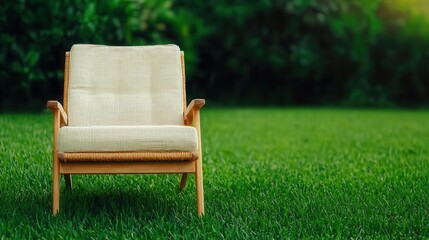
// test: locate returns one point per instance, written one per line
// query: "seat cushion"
(127, 139)
(136, 85)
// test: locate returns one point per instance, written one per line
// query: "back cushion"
(125, 85)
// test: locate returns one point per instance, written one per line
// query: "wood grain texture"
(66, 80)
(182, 61)
(194, 105)
(127, 167)
(199, 165)
(56, 167)
(56, 106)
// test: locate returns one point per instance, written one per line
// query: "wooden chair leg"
(69, 183)
(199, 186)
(183, 181)
(55, 185)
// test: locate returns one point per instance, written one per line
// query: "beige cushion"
(127, 138)
(125, 85)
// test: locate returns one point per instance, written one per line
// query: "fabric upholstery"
(125, 86)
(127, 138)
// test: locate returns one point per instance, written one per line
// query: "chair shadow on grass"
(145, 201)
(132, 197)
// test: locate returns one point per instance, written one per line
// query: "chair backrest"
(125, 85)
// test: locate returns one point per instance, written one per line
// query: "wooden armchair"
(125, 113)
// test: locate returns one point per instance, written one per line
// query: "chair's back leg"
(69, 183)
(183, 181)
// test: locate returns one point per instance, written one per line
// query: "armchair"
(125, 112)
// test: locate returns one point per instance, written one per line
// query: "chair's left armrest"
(56, 106)
(194, 105)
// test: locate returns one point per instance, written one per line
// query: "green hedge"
(36, 33)
(352, 53)
(335, 52)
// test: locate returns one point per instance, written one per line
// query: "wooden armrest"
(56, 106)
(194, 105)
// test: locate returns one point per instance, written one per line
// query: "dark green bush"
(36, 33)
(335, 52)
(312, 52)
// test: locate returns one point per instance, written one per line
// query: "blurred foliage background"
(359, 53)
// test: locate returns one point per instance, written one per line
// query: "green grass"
(268, 173)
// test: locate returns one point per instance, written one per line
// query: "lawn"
(268, 173)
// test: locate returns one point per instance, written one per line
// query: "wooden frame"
(126, 163)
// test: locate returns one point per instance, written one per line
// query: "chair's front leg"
(56, 167)
(199, 167)
(60, 119)
(55, 184)
(199, 186)
(192, 117)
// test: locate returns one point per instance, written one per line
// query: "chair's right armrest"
(56, 106)
(194, 105)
